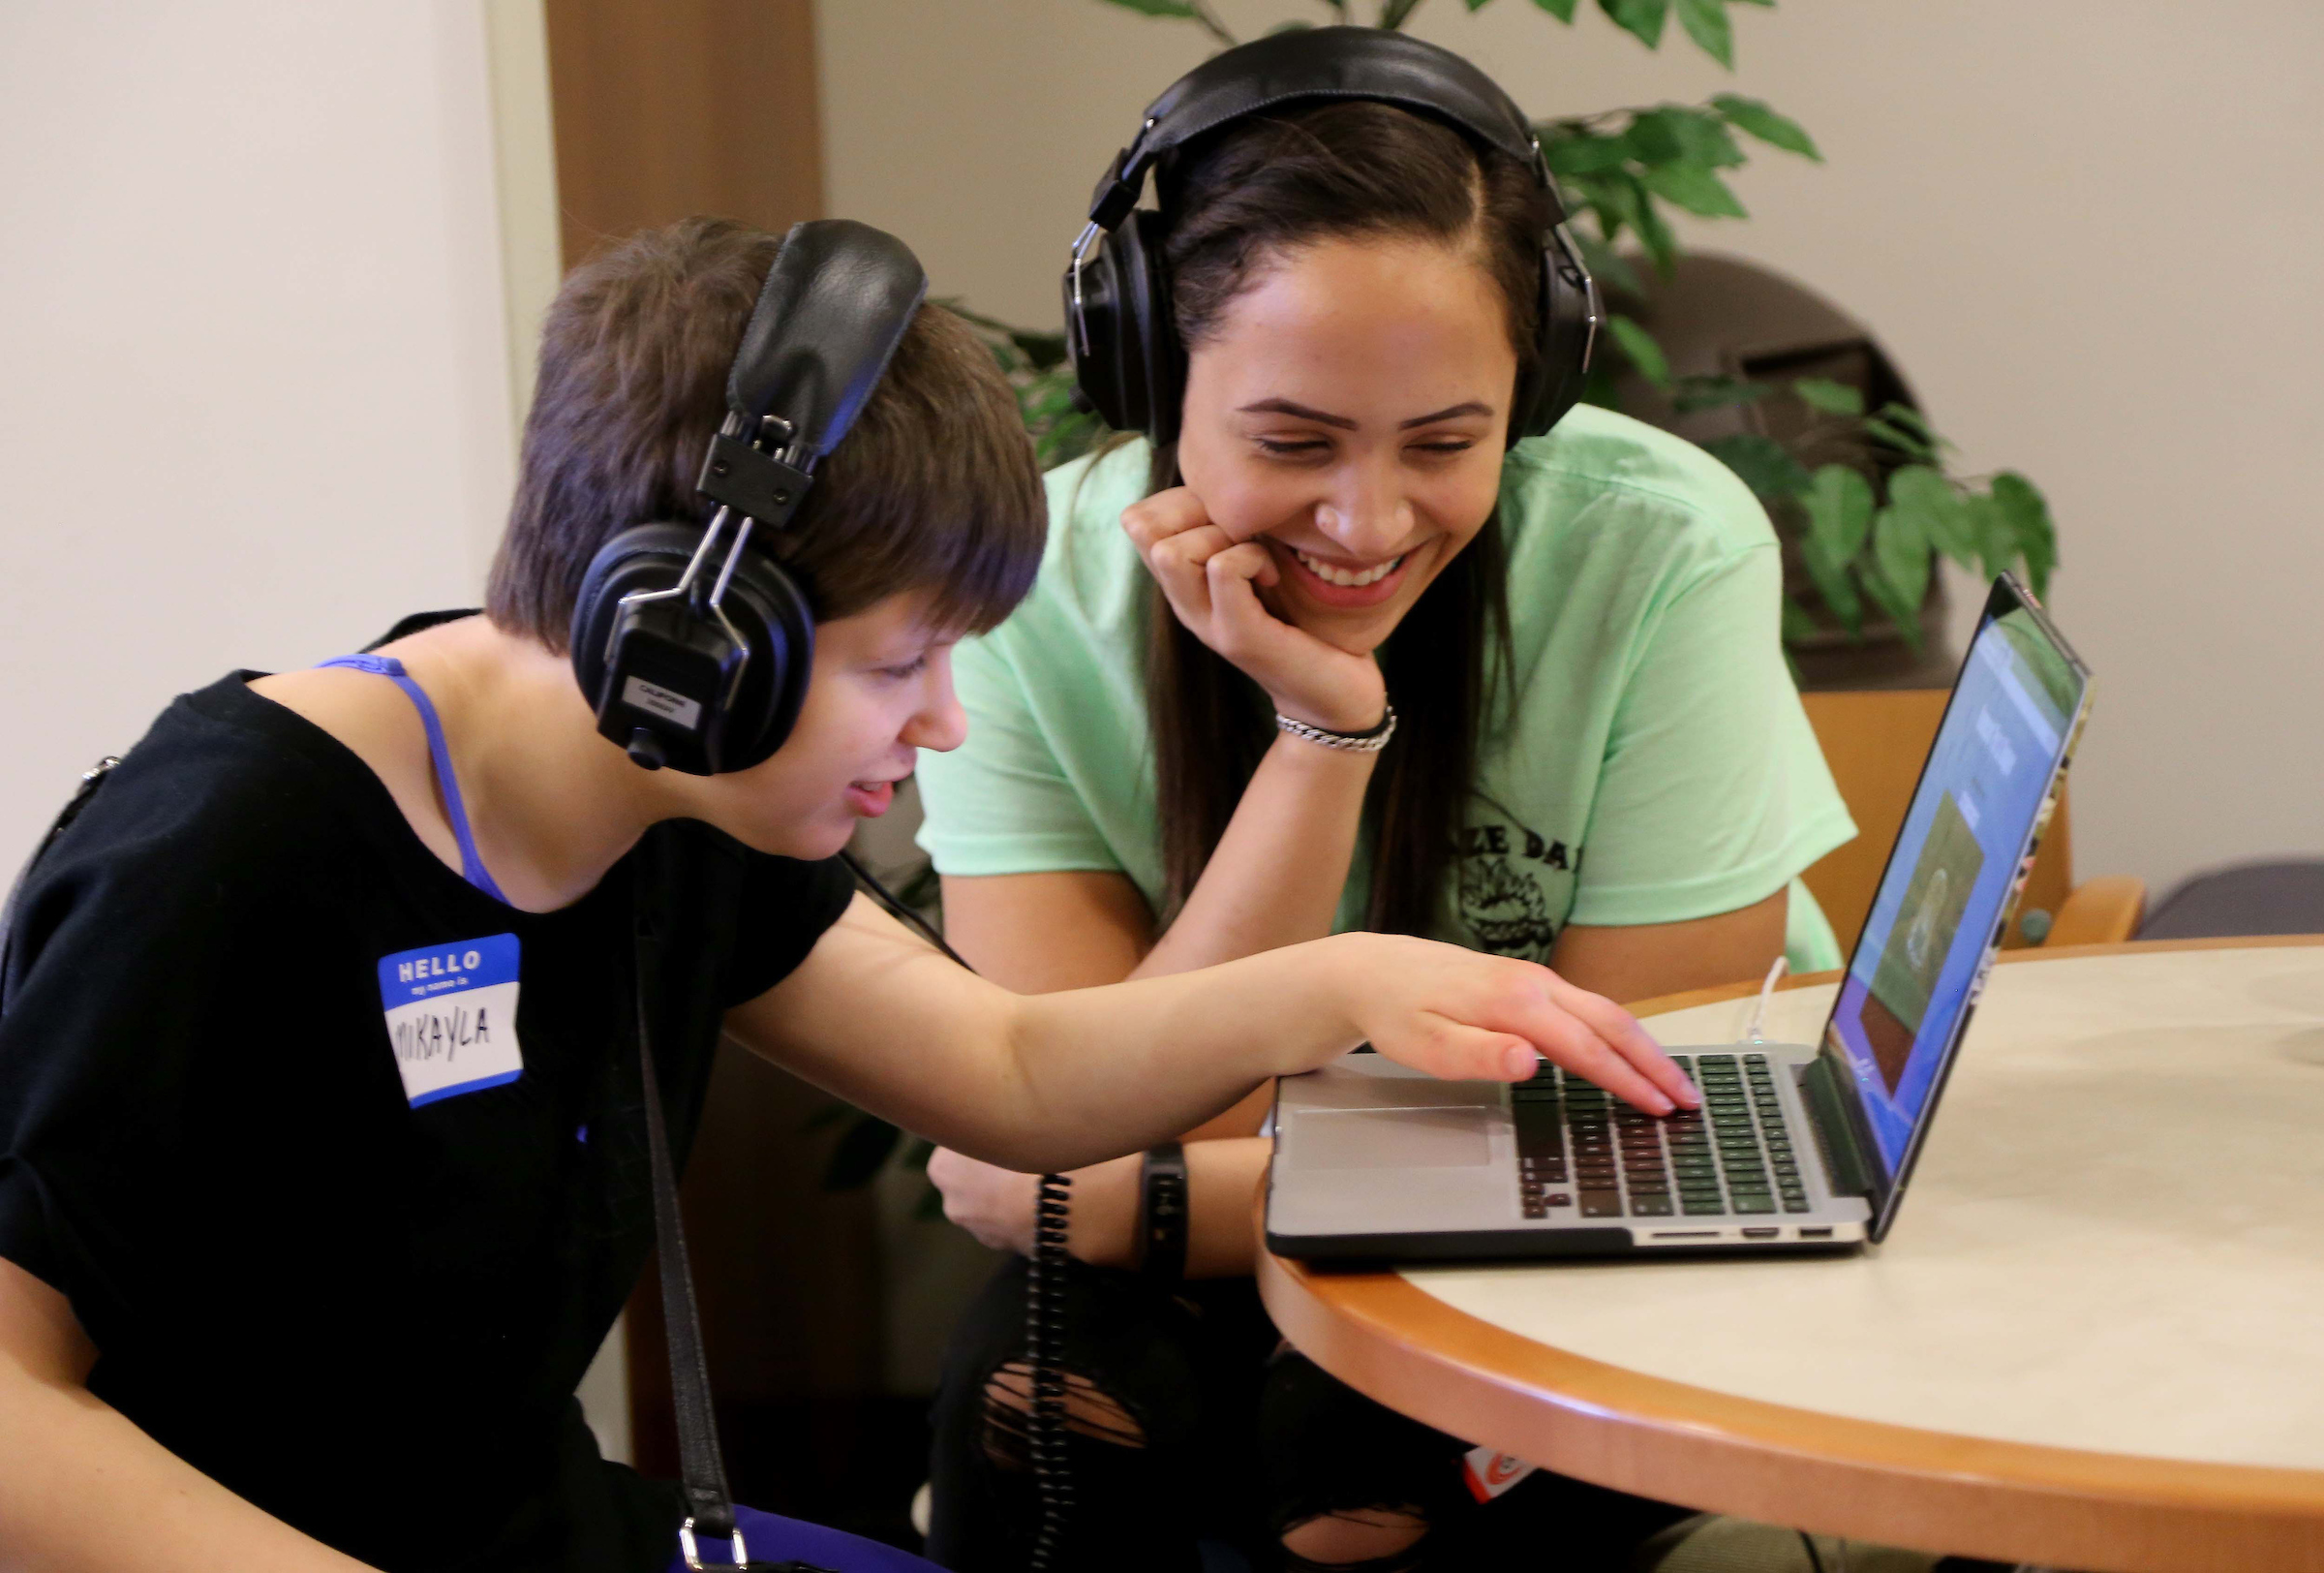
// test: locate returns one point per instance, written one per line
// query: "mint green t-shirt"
(1657, 766)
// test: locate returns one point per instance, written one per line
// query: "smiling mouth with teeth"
(1345, 578)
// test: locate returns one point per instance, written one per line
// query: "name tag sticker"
(451, 1016)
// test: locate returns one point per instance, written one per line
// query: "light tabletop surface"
(2094, 1337)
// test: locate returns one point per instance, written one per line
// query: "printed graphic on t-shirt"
(451, 1016)
(1516, 886)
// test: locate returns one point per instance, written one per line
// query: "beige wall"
(254, 381)
(2087, 229)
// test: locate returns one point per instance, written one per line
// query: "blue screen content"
(1956, 857)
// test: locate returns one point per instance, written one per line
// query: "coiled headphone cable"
(1044, 1299)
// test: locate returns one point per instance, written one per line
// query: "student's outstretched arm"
(1053, 1081)
(84, 1491)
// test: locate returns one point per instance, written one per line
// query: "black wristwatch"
(1162, 1215)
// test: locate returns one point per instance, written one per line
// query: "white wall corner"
(525, 183)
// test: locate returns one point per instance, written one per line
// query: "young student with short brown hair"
(300, 1262)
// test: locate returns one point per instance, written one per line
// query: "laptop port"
(1761, 1233)
(1815, 1234)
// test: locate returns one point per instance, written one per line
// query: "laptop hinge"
(1845, 1159)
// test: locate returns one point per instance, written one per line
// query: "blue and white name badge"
(451, 1016)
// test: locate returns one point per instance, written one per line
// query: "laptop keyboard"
(1578, 1145)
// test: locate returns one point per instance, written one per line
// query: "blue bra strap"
(472, 862)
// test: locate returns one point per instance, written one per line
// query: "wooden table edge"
(1932, 1490)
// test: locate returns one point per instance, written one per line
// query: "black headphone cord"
(1043, 1296)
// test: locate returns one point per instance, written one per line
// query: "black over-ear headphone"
(1118, 322)
(702, 666)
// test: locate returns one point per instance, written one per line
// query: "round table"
(2094, 1338)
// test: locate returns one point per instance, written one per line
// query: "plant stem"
(1392, 12)
(1211, 24)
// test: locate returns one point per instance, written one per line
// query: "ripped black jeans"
(1188, 1420)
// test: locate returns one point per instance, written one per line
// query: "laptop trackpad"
(1389, 1139)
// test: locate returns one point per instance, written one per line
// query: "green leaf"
(1934, 509)
(1988, 529)
(1900, 554)
(1642, 18)
(1901, 612)
(1609, 199)
(1705, 138)
(1753, 119)
(1838, 502)
(1694, 188)
(1798, 626)
(1180, 9)
(1639, 345)
(1674, 134)
(1913, 421)
(1607, 267)
(1706, 23)
(1572, 153)
(1655, 235)
(1761, 462)
(1302, 27)
(1692, 393)
(1830, 397)
(1835, 585)
(1046, 351)
(1562, 10)
(2029, 514)
(1907, 442)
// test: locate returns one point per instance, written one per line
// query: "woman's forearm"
(1276, 876)
(1222, 1178)
(1177, 1049)
(1037, 1082)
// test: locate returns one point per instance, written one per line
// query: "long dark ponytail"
(1263, 188)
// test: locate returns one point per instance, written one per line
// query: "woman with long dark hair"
(1338, 654)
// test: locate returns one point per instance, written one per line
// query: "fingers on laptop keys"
(1628, 1054)
(1593, 1038)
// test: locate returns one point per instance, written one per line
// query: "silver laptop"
(1797, 1147)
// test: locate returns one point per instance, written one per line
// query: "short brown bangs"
(935, 490)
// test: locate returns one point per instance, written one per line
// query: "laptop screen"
(1924, 942)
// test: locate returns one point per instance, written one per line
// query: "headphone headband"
(1313, 65)
(829, 318)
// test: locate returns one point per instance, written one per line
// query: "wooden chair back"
(1876, 742)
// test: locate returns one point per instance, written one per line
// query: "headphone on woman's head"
(1119, 330)
(700, 661)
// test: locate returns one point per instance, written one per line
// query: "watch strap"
(1162, 1215)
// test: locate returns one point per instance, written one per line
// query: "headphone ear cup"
(1563, 346)
(1100, 342)
(764, 716)
(1161, 360)
(763, 602)
(1125, 352)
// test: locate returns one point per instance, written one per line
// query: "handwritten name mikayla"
(441, 1037)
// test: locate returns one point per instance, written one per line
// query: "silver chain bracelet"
(1371, 742)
